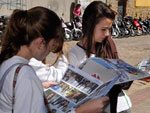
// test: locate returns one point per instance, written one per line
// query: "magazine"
(107, 69)
(92, 79)
(145, 65)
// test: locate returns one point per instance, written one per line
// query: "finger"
(49, 84)
(105, 101)
(106, 98)
(53, 83)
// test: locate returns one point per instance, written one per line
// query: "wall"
(132, 9)
(138, 11)
(64, 7)
(7, 6)
(59, 6)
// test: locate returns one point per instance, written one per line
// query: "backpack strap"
(5, 74)
(14, 84)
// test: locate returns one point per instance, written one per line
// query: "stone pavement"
(139, 94)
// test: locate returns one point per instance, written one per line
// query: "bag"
(124, 102)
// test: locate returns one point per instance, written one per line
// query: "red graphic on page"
(96, 76)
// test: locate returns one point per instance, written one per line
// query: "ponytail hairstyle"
(93, 13)
(26, 25)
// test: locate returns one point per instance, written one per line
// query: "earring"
(40, 47)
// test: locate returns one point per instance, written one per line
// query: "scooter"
(76, 32)
(115, 30)
(137, 27)
(67, 32)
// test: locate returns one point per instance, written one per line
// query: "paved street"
(139, 94)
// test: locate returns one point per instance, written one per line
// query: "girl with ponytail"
(29, 34)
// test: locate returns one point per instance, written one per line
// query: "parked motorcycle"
(144, 28)
(76, 31)
(67, 32)
(146, 22)
(119, 29)
(129, 24)
(137, 27)
(125, 32)
(115, 30)
(3, 24)
(78, 22)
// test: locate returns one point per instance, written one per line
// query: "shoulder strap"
(14, 84)
(5, 74)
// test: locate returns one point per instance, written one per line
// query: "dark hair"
(26, 25)
(78, 5)
(94, 12)
(109, 5)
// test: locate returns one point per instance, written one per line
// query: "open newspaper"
(92, 79)
(145, 65)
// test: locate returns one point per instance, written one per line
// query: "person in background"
(97, 21)
(77, 12)
(30, 34)
(48, 72)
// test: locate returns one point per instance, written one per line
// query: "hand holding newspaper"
(93, 79)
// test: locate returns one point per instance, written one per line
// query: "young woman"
(96, 41)
(77, 12)
(30, 34)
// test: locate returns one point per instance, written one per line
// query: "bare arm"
(93, 106)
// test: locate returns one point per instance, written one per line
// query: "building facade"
(134, 8)
(64, 8)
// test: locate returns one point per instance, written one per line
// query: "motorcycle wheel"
(68, 36)
(139, 32)
(115, 33)
(77, 35)
(132, 33)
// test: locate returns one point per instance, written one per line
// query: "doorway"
(122, 9)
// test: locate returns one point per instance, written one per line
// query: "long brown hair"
(92, 15)
(60, 53)
(26, 25)
(107, 49)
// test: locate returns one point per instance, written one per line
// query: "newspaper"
(145, 65)
(93, 79)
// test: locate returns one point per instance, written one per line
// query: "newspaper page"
(75, 88)
(107, 69)
(93, 79)
(145, 65)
